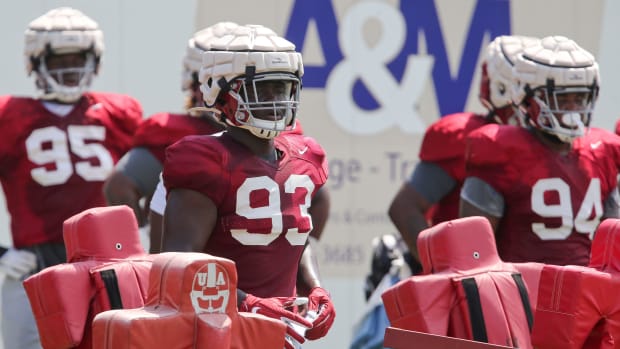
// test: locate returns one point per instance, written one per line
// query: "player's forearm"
(409, 224)
(307, 272)
(407, 212)
(120, 190)
(466, 209)
(410, 229)
(319, 211)
(156, 225)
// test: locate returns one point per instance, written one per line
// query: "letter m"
(490, 17)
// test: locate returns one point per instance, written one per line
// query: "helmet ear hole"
(502, 89)
(34, 62)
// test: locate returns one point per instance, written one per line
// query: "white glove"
(301, 330)
(17, 263)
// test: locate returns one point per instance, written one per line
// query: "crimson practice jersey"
(262, 206)
(553, 202)
(443, 145)
(53, 167)
(162, 129)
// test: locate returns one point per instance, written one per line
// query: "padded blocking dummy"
(192, 303)
(569, 307)
(579, 307)
(107, 268)
(605, 257)
(466, 291)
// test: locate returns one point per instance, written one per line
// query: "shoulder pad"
(8, 103)
(445, 139)
(306, 148)
(485, 146)
(602, 143)
(117, 104)
(181, 170)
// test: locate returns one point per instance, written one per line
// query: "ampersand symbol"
(398, 101)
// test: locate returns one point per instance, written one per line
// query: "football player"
(136, 176)
(433, 190)
(137, 173)
(244, 194)
(545, 188)
(58, 149)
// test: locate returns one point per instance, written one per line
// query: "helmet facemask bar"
(51, 82)
(554, 118)
(266, 104)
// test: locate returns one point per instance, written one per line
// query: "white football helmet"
(199, 43)
(496, 79)
(61, 31)
(556, 84)
(239, 67)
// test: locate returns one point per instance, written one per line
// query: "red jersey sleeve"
(444, 142)
(124, 115)
(318, 156)
(488, 158)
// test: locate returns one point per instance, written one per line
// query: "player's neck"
(553, 143)
(262, 148)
